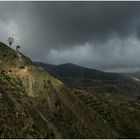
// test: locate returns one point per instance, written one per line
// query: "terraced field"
(97, 106)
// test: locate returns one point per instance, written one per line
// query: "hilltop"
(35, 104)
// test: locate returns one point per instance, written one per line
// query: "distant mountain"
(72, 70)
(84, 78)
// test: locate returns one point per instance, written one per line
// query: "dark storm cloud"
(70, 23)
(103, 35)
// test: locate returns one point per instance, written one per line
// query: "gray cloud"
(102, 35)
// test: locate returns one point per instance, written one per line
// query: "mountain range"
(40, 100)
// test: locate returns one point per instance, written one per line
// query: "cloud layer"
(101, 35)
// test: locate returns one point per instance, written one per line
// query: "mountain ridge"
(72, 75)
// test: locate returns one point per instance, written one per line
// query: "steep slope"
(34, 104)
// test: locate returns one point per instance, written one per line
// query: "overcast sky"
(95, 34)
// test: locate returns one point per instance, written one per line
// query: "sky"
(95, 34)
